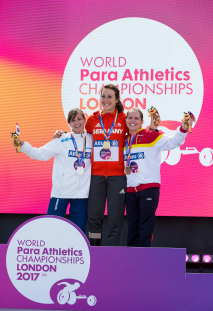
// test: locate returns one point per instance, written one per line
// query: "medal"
(80, 163)
(106, 144)
(127, 170)
(80, 170)
(129, 142)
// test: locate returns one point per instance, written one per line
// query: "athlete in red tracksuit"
(108, 180)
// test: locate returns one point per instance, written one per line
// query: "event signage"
(49, 264)
(156, 58)
(46, 252)
(158, 68)
(150, 63)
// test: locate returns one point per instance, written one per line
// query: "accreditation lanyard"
(106, 137)
(80, 159)
(129, 147)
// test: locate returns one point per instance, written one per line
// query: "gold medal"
(127, 170)
(80, 170)
(106, 144)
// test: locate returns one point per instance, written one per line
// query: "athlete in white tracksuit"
(143, 175)
(67, 185)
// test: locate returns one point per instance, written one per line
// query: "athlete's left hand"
(58, 134)
(152, 124)
(184, 125)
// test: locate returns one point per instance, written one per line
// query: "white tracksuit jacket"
(66, 183)
(145, 159)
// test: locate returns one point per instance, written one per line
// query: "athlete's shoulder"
(148, 137)
(93, 116)
(64, 137)
(92, 121)
(121, 121)
(122, 116)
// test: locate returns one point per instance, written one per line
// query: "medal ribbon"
(80, 159)
(106, 137)
(129, 147)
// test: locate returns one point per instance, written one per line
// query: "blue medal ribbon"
(129, 147)
(80, 159)
(106, 137)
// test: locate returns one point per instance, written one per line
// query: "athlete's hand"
(18, 142)
(152, 124)
(184, 124)
(58, 134)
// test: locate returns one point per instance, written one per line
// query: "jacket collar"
(138, 131)
(96, 113)
(76, 136)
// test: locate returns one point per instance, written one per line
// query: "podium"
(49, 264)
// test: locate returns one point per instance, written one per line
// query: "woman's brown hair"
(135, 109)
(72, 114)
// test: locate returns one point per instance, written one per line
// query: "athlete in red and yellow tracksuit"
(108, 180)
(143, 183)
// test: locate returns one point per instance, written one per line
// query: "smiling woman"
(142, 157)
(108, 181)
(134, 121)
(76, 120)
(71, 169)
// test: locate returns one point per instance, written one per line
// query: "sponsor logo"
(99, 143)
(149, 199)
(135, 156)
(72, 154)
(117, 125)
(66, 139)
(98, 125)
(141, 155)
(122, 191)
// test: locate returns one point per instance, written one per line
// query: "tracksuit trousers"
(114, 189)
(78, 210)
(140, 208)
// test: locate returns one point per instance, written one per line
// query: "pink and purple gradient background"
(36, 40)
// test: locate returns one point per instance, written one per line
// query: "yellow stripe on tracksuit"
(146, 145)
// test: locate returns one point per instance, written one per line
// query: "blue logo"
(99, 143)
(66, 139)
(135, 156)
(72, 154)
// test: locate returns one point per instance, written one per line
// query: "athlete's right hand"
(18, 142)
(58, 134)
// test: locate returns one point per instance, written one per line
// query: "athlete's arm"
(43, 153)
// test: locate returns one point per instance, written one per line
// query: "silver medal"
(80, 170)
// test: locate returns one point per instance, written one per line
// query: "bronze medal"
(106, 144)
